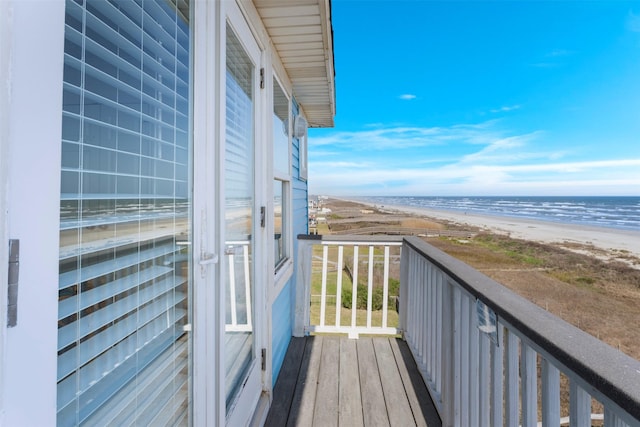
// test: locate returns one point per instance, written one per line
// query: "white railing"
(322, 256)
(484, 351)
(239, 286)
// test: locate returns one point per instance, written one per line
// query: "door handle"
(208, 258)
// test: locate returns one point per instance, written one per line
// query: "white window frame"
(302, 156)
(284, 270)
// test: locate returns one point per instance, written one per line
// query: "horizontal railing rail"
(321, 256)
(492, 358)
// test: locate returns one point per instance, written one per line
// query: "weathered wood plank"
(304, 398)
(326, 410)
(350, 398)
(424, 412)
(395, 397)
(330, 381)
(286, 384)
(373, 405)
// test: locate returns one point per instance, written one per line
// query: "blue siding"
(282, 328)
(283, 307)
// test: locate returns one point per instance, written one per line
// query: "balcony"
(483, 354)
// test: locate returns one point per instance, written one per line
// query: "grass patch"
(518, 250)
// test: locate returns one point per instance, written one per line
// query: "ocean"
(612, 212)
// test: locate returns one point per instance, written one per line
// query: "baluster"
(497, 378)
(385, 287)
(465, 357)
(339, 285)
(550, 394)
(370, 287)
(513, 391)
(354, 287)
(323, 293)
(528, 380)
(579, 406)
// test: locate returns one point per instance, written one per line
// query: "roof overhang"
(302, 34)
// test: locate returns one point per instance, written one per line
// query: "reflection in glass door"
(239, 222)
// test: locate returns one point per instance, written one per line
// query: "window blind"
(124, 284)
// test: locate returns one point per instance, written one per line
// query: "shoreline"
(613, 242)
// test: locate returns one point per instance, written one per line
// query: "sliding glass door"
(242, 228)
(125, 285)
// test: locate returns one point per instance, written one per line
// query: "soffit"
(302, 34)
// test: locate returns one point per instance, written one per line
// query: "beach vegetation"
(362, 297)
(518, 250)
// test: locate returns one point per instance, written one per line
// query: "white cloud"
(399, 137)
(505, 109)
(573, 178)
(468, 159)
(407, 96)
(499, 150)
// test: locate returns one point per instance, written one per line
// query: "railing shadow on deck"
(487, 355)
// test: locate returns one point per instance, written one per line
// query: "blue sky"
(482, 98)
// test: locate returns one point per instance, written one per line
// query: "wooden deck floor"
(330, 381)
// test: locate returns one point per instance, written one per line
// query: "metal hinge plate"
(264, 359)
(261, 78)
(12, 282)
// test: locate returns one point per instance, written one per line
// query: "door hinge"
(264, 359)
(12, 282)
(263, 216)
(261, 78)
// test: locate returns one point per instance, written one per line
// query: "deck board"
(373, 405)
(395, 397)
(326, 409)
(350, 398)
(337, 381)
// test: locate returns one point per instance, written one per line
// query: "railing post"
(303, 287)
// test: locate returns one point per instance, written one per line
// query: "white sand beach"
(605, 243)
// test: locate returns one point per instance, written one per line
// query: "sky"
(475, 98)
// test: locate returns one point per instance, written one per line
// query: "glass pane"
(125, 223)
(239, 149)
(280, 130)
(280, 216)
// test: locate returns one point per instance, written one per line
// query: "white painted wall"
(30, 163)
